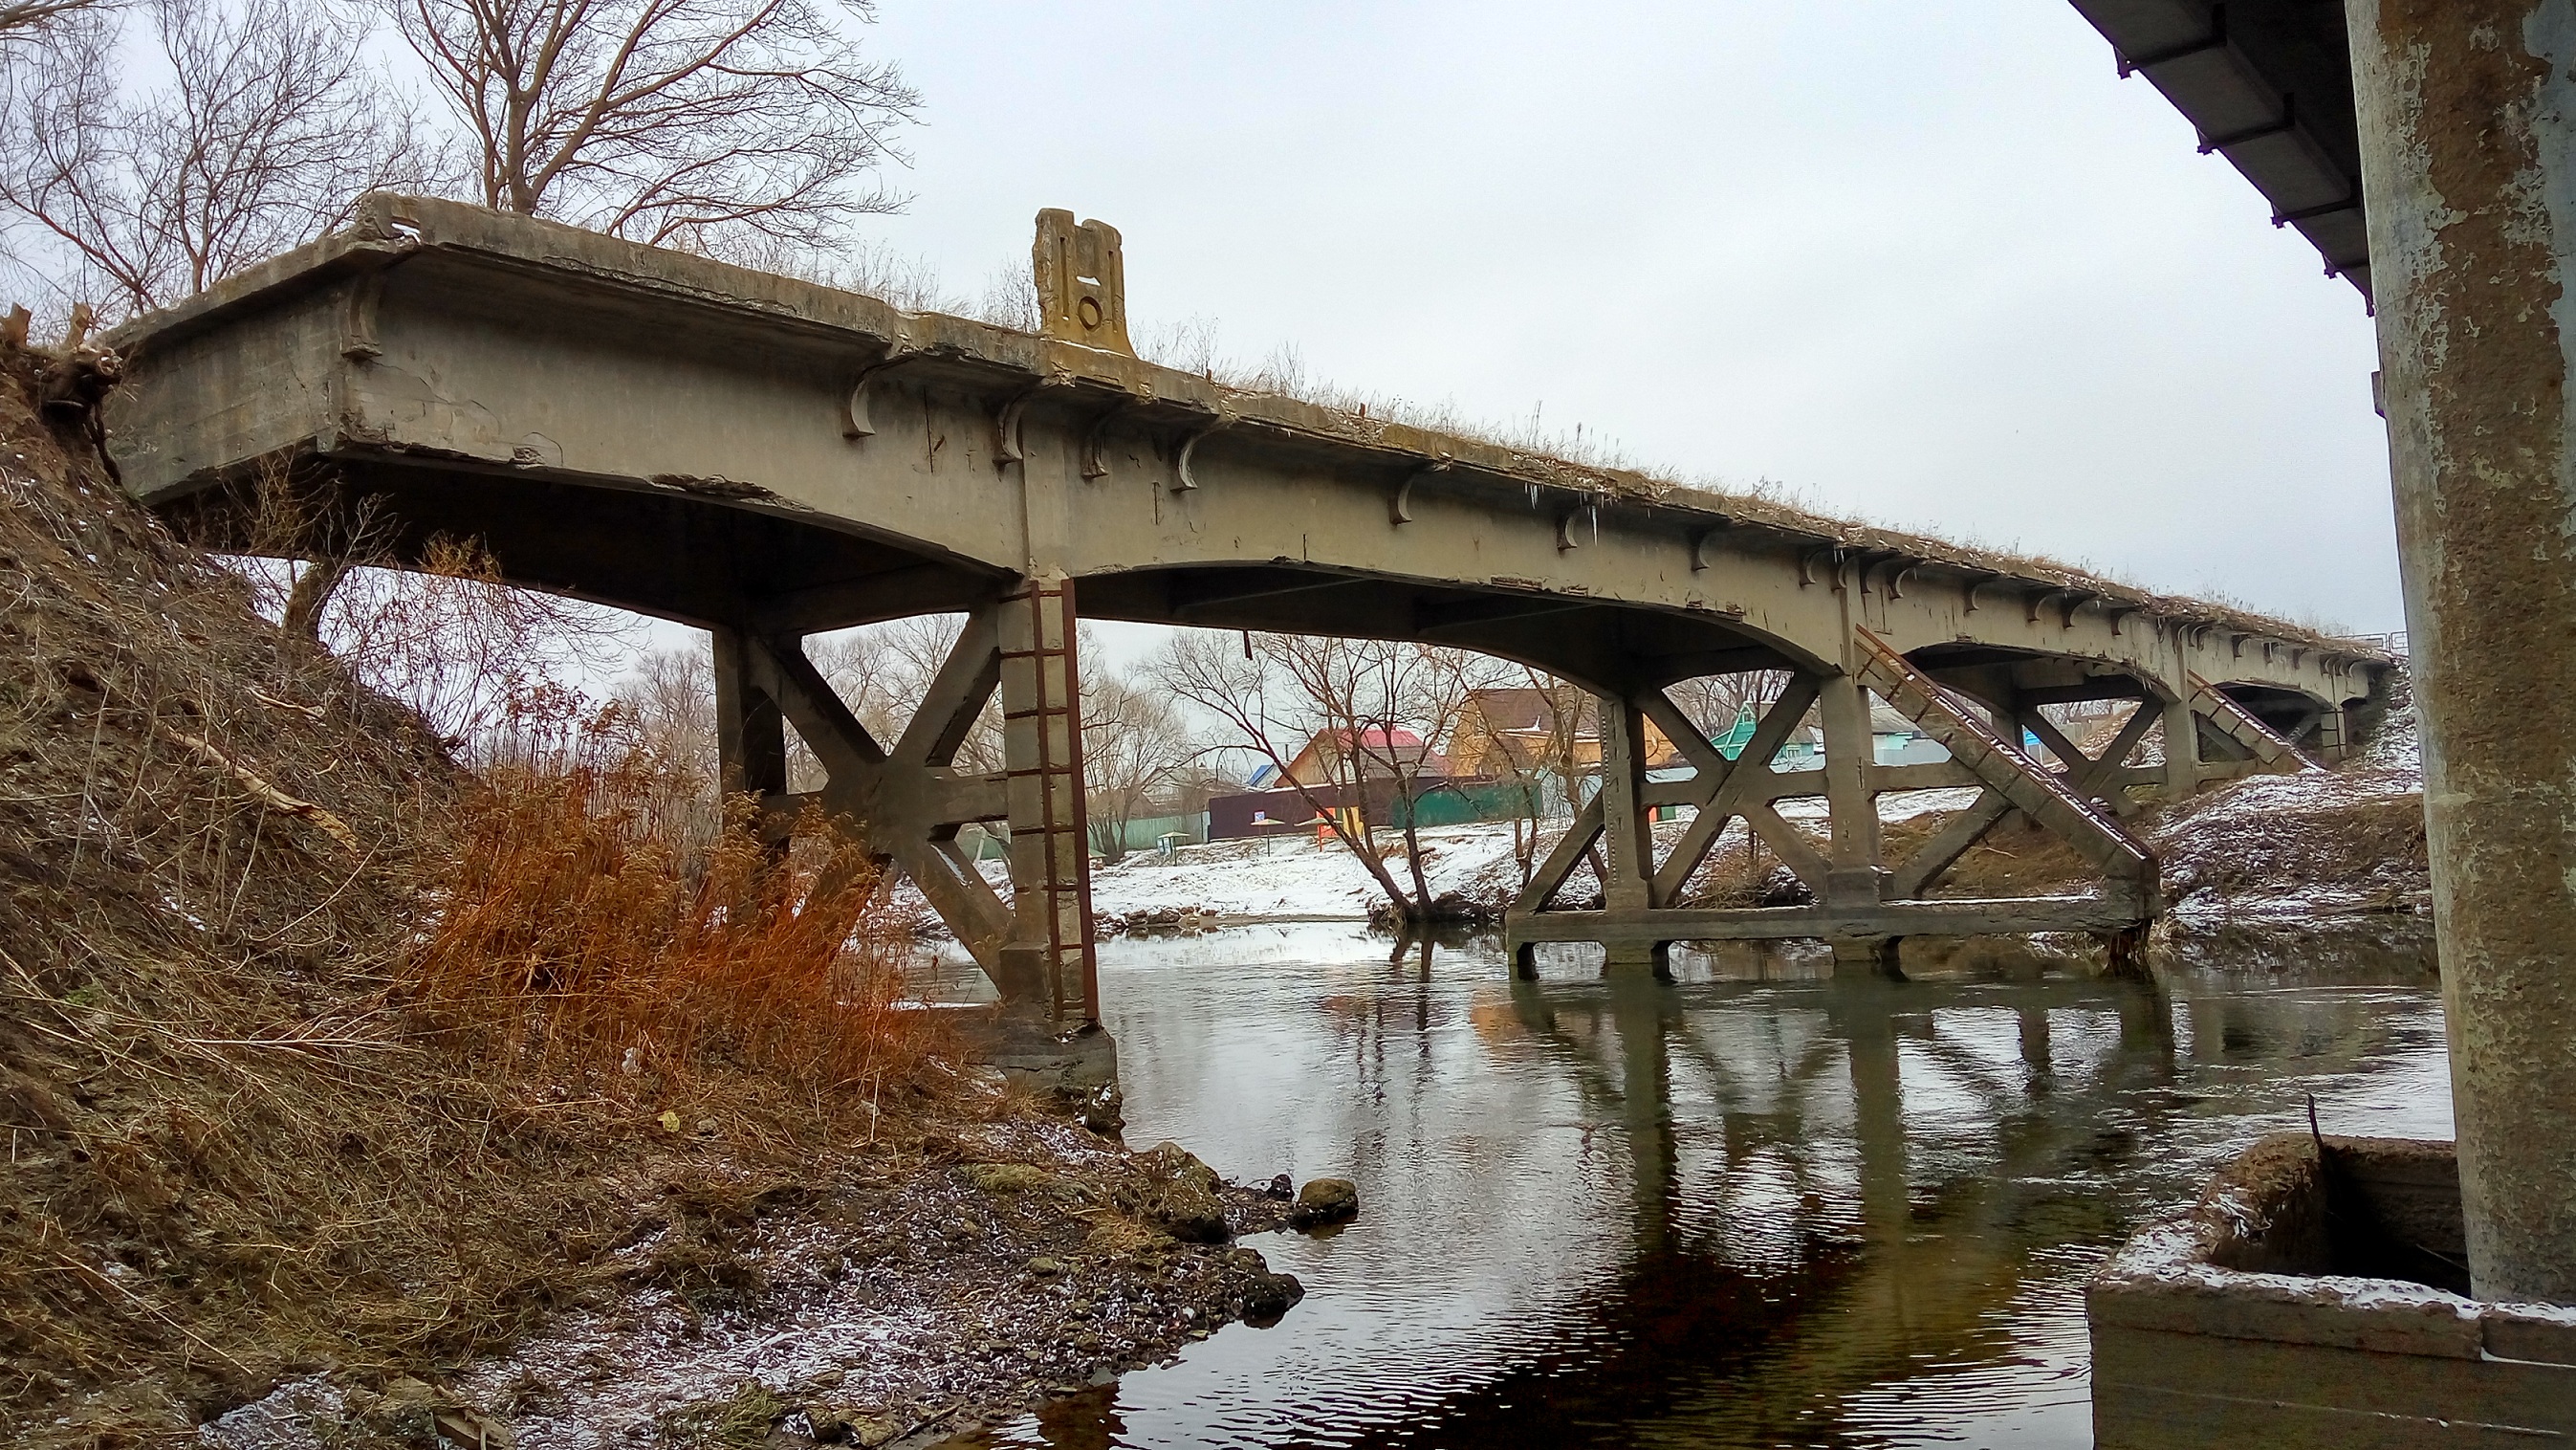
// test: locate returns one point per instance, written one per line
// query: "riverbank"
(355, 1098)
(963, 1269)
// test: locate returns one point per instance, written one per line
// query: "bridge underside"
(770, 460)
(761, 580)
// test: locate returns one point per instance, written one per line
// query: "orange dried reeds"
(583, 934)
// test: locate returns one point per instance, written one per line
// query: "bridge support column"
(2334, 740)
(2182, 743)
(1856, 882)
(751, 733)
(1050, 959)
(1627, 828)
(2468, 128)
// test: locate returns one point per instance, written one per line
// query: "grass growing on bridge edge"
(314, 1050)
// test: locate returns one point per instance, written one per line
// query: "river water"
(1756, 1207)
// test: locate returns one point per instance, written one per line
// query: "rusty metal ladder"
(2247, 729)
(1042, 729)
(2013, 780)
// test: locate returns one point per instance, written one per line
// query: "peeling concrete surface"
(2469, 124)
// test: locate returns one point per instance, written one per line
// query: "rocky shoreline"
(955, 1274)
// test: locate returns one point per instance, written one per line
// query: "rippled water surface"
(1753, 1208)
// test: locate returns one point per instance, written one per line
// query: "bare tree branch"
(22, 15)
(1348, 698)
(1133, 747)
(271, 122)
(714, 125)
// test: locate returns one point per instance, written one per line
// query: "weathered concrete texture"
(2469, 123)
(2247, 1319)
(1077, 1068)
(1051, 949)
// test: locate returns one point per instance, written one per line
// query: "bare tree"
(1542, 760)
(715, 125)
(268, 126)
(1133, 748)
(668, 707)
(1715, 702)
(1370, 709)
(1394, 702)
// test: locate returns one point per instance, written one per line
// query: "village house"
(1527, 731)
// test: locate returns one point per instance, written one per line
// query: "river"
(1755, 1207)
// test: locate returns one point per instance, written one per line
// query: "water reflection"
(1752, 1208)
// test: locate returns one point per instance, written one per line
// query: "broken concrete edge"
(1072, 1068)
(2167, 1276)
(390, 228)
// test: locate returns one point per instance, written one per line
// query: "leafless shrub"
(1134, 748)
(1370, 710)
(434, 627)
(714, 125)
(575, 936)
(668, 703)
(269, 123)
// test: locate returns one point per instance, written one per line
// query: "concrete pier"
(2467, 114)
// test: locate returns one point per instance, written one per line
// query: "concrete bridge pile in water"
(768, 459)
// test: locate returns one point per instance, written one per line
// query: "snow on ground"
(1289, 878)
(2315, 843)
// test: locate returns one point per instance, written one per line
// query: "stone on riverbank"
(1181, 1198)
(1325, 1201)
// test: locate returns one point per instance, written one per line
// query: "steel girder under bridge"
(770, 459)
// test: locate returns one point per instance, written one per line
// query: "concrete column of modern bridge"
(770, 459)
(2468, 126)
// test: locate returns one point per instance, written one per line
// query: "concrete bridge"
(768, 459)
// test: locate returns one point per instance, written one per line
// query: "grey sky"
(1934, 265)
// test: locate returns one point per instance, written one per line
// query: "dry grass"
(279, 1096)
(578, 938)
(2016, 858)
(2357, 835)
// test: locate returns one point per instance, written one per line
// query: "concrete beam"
(1891, 919)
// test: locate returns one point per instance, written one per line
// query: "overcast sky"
(1933, 265)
